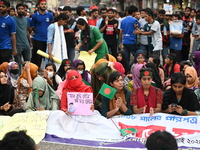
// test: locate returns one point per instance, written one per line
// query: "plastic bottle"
(73, 26)
(165, 30)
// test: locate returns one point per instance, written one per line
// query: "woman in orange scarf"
(29, 73)
(73, 83)
(120, 103)
(191, 78)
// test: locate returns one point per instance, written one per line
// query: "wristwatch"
(14, 50)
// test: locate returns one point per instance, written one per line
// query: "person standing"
(69, 31)
(40, 22)
(128, 26)
(8, 31)
(23, 45)
(94, 17)
(164, 28)
(152, 30)
(103, 13)
(109, 29)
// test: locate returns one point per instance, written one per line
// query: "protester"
(136, 75)
(66, 63)
(42, 97)
(110, 31)
(196, 34)
(25, 81)
(191, 78)
(156, 80)
(40, 30)
(69, 30)
(171, 66)
(122, 59)
(4, 67)
(56, 45)
(179, 97)
(161, 140)
(8, 33)
(184, 64)
(13, 74)
(22, 36)
(91, 40)
(103, 12)
(196, 60)
(120, 103)
(80, 66)
(146, 99)
(16, 140)
(51, 77)
(127, 37)
(74, 84)
(94, 17)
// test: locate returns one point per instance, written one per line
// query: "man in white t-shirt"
(152, 30)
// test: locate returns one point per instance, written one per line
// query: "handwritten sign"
(80, 103)
(88, 59)
(33, 122)
(168, 8)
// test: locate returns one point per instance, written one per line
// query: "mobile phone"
(174, 105)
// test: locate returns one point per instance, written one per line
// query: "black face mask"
(194, 59)
(14, 71)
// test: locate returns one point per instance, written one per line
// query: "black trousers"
(5, 55)
(178, 54)
(38, 45)
(185, 52)
(113, 49)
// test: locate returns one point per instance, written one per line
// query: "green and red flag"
(107, 91)
(127, 131)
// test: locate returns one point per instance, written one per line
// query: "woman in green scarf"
(42, 97)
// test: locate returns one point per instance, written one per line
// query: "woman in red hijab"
(73, 84)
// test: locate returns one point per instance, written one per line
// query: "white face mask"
(50, 74)
(80, 71)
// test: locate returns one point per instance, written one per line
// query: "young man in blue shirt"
(127, 28)
(40, 22)
(7, 30)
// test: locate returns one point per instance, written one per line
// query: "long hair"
(62, 16)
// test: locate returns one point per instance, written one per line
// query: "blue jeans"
(165, 51)
(71, 53)
(22, 51)
(130, 48)
(144, 48)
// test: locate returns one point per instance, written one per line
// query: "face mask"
(50, 74)
(80, 71)
(194, 59)
(14, 71)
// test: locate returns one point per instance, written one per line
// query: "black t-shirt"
(70, 37)
(109, 34)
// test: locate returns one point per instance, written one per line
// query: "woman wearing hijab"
(56, 44)
(136, 75)
(106, 58)
(4, 67)
(191, 78)
(91, 40)
(80, 66)
(120, 104)
(156, 78)
(122, 59)
(66, 63)
(140, 58)
(25, 81)
(9, 103)
(13, 74)
(179, 97)
(196, 60)
(146, 98)
(42, 97)
(99, 76)
(73, 84)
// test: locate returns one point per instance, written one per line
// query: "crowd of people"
(162, 77)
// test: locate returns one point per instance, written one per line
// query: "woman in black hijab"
(122, 59)
(7, 97)
(156, 77)
(66, 63)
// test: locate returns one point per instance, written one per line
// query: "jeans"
(130, 48)
(144, 48)
(113, 49)
(71, 53)
(165, 51)
(22, 51)
(178, 54)
(5, 55)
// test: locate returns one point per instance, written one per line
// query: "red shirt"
(92, 22)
